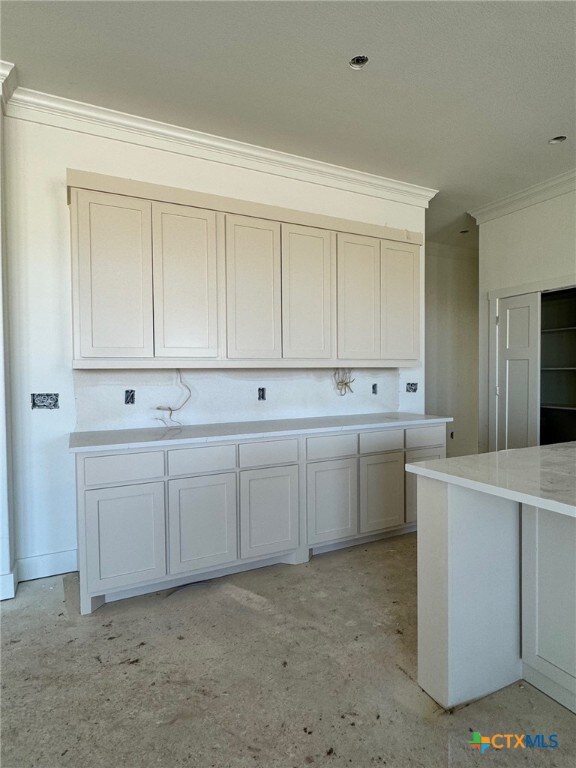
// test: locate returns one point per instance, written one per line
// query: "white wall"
(452, 342)
(526, 249)
(40, 308)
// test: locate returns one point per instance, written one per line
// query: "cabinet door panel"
(125, 536)
(185, 281)
(358, 297)
(400, 301)
(332, 500)
(425, 454)
(114, 275)
(202, 522)
(306, 287)
(381, 491)
(549, 603)
(253, 288)
(268, 511)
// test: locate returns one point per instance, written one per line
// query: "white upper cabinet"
(162, 283)
(307, 268)
(185, 281)
(113, 270)
(400, 273)
(358, 297)
(253, 288)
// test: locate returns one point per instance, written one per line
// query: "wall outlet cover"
(412, 387)
(47, 400)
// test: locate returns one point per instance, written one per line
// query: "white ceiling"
(460, 96)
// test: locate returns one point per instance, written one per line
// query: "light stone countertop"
(83, 442)
(542, 476)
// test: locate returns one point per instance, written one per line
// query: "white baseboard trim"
(8, 584)
(52, 564)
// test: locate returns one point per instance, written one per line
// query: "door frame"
(541, 286)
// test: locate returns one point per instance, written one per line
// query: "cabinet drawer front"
(420, 437)
(331, 447)
(270, 452)
(375, 442)
(206, 459)
(123, 468)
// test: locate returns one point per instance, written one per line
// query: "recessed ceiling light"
(557, 140)
(357, 62)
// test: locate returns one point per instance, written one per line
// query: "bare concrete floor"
(285, 666)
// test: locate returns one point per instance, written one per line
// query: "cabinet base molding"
(551, 688)
(332, 546)
(90, 603)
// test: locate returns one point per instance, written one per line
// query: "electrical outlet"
(129, 397)
(374, 389)
(48, 400)
(412, 387)
(261, 393)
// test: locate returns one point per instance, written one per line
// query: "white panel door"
(185, 281)
(359, 330)
(114, 275)
(411, 485)
(381, 491)
(306, 292)
(518, 371)
(268, 511)
(125, 536)
(549, 602)
(332, 492)
(400, 301)
(202, 522)
(253, 288)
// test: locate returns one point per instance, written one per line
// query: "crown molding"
(539, 193)
(7, 81)
(52, 110)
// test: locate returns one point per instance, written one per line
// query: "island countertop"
(542, 476)
(205, 433)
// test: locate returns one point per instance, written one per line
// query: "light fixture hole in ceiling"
(557, 140)
(357, 62)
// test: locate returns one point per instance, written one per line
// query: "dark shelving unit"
(558, 367)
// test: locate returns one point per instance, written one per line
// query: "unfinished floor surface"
(284, 666)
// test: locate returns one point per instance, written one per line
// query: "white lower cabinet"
(381, 491)
(269, 511)
(332, 495)
(423, 454)
(202, 522)
(125, 536)
(549, 603)
(173, 513)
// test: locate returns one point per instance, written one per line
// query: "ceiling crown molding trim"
(7, 81)
(44, 108)
(539, 193)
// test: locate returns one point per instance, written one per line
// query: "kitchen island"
(497, 573)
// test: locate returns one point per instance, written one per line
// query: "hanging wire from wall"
(172, 410)
(343, 380)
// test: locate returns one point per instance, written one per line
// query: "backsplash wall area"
(222, 396)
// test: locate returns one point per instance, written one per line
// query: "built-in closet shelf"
(559, 407)
(560, 368)
(557, 330)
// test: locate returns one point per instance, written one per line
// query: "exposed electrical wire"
(343, 380)
(169, 409)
